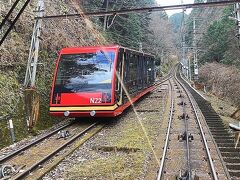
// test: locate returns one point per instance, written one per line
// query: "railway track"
(221, 134)
(39, 157)
(19, 164)
(27, 146)
(186, 138)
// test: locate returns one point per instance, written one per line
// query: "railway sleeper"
(115, 149)
(147, 110)
(153, 97)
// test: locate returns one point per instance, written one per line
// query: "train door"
(145, 78)
(119, 77)
(140, 72)
(126, 75)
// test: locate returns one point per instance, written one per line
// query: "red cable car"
(89, 81)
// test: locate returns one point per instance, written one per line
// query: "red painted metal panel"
(74, 99)
(75, 50)
(114, 113)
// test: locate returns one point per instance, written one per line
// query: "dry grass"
(222, 81)
(125, 166)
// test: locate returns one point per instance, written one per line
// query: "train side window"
(126, 67)
(118, 70)
(133, 67)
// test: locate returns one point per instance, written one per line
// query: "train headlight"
(66, 113)
(92, 113)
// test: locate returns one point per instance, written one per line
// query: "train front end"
(83, 84)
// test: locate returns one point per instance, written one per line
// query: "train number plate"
(95, 100)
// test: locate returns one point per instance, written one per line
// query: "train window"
(126, 67)
(119, 76)
(87, 72)
(133, 67)
(118, 70)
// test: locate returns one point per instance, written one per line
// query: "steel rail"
(142, 10)
(187, 140)
(160, 172)
(11, 155)
(214, 174)
(46, 158)
(213, 140)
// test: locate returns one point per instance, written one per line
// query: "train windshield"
(86, 72)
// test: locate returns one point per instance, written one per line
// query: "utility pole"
(162, 57)
(183, 58)
(30, 76)
(195, 60)
(237, 11)
(105, 17)
(140, 47)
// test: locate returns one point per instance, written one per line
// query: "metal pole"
(34, 48)
(189, 69)
(30, 76)
(195, 60)
(140, 47)
(238, 18)
(12, 130)
(105, 17)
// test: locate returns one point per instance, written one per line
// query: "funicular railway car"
(98, 81)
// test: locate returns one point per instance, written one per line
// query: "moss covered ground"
(12, 107)
(125, 150)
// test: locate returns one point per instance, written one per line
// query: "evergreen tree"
(216, 40)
